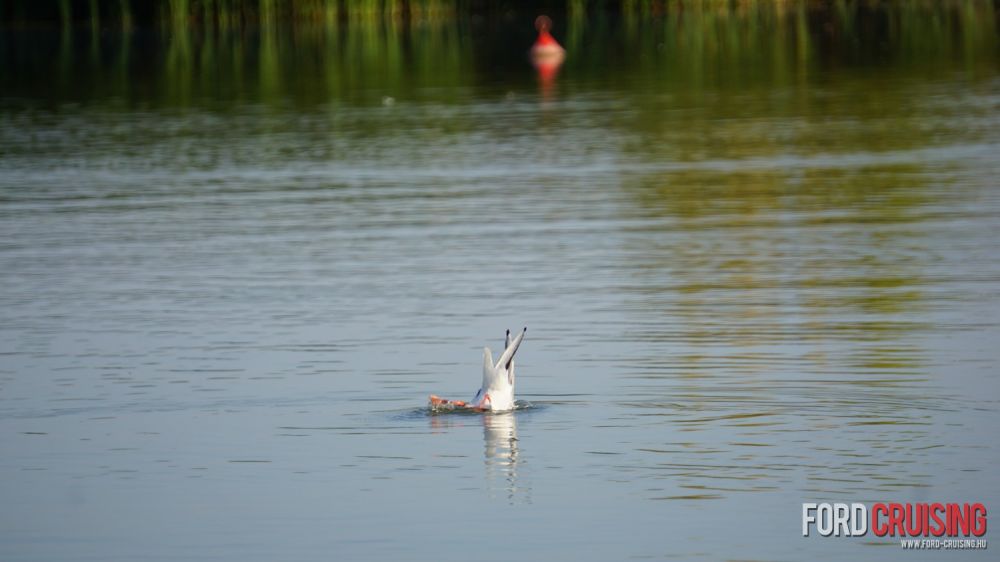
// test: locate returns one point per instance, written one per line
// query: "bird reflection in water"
(502, 457)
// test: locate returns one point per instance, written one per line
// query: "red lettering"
(896, 517)
(966, 519)
(926, 519)
(880, 529)
(913, 519)
(979, 522)
(940, 529)
(958, 519)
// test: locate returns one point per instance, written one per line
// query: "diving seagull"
(497, 392)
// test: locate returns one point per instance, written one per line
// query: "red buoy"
(546, 47)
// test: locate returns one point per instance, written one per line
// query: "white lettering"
(824, 519)
(859, 520)
(840, 520)
(807, 517)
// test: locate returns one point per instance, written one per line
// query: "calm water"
(756, 254)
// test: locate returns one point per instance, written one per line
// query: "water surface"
(756, 253)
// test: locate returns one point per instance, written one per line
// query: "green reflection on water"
(315, 52)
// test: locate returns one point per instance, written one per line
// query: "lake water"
(756, 253)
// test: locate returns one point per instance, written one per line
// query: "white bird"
(497, 392)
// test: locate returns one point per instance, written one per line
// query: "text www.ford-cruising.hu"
(943, 544)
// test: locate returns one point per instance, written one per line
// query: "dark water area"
(755, 248)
